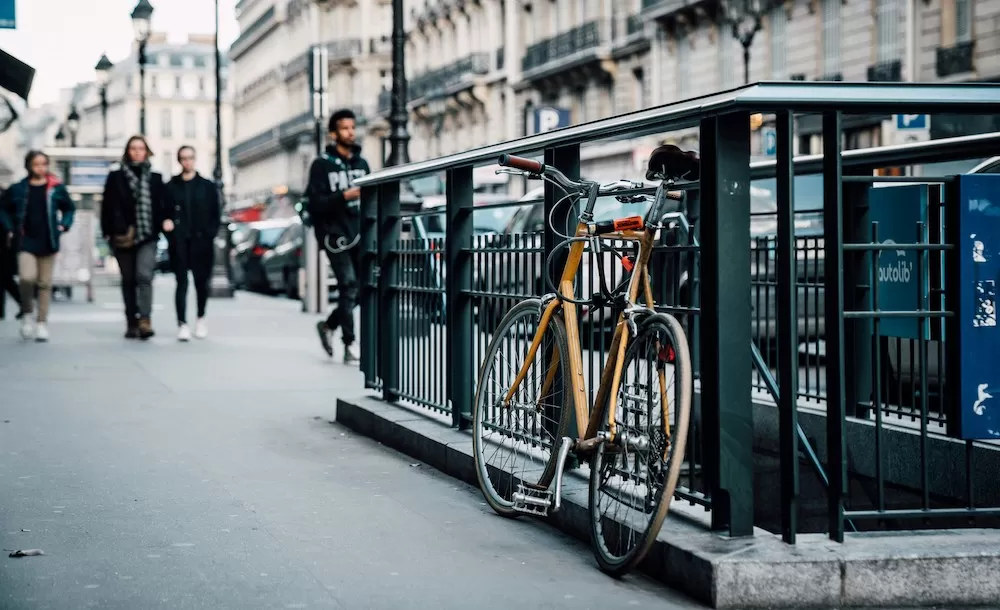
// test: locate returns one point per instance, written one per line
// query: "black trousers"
(196, 257)
(345, 268)
(8, 269)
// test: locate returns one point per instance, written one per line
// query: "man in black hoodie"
(334, 208)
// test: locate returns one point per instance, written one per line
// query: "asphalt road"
(207, 475)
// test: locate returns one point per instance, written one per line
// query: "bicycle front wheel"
(516, 443)
(632, 480)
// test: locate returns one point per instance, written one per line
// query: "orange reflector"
(632, 223)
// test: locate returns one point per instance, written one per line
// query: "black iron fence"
(866, 415)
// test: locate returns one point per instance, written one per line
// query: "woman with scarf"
(134, 210)
(35, 212)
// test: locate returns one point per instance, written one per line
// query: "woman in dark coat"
(134, 210)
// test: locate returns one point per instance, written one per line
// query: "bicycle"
(625, 441)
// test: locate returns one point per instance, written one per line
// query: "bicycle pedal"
(532, 501)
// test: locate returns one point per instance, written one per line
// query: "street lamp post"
(73, 125)
(746, 19)
(399, 138)
(142, 15)
(103, 70)
(221, 284)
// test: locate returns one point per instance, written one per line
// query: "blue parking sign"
(911, 121)
(8, 16)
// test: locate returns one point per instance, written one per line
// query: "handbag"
(125, 240)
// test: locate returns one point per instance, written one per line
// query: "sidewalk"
(209, 475)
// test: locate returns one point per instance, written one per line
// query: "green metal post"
(458, 254)
(388, 291)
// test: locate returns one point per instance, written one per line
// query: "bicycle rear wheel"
(518, 443)
(633, 479)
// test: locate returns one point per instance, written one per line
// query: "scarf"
(143, 201)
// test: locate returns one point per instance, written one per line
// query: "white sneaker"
(27, 329)
(184, 333)
(200, 329)
(42, 333)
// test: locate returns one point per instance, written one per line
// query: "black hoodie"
(329, 176)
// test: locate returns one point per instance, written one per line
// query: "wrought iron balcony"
(956, 59)
(586, 37)
(345, 49)
(500, 59)
(832, 76)
(454, 75)
(886, 72)
(380, 45)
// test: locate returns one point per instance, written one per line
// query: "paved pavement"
(208, 475)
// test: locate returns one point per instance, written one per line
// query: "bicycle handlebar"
(528, 165)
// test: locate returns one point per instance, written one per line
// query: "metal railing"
(435, 283)
(561, 46)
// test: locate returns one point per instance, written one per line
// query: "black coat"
(201, 222)
(118, 205)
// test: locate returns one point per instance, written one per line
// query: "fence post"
(833, 240)
(727, 408)
(788, 330)
(458, 282)
(388, 292)
(369, 297)
(859, 336)
(567, 160)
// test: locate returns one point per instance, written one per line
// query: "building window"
(177, 84)
(201, 85)
(779, 26)
(963, 20)
(166, 123)
(724, 58)
(152, 84)
(887, 30)
(581, 105)
(831, 37)
(211, 124)
(640, 89)
(683, 67)
(190, 131)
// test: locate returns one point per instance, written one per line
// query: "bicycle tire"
(498, 495)
(620, 564)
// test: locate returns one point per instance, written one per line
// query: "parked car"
(262, 237)
(281, 264)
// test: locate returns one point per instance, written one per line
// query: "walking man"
(197, 216)
(334, 208)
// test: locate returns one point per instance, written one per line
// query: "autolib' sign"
(979, 335)
(897, 210)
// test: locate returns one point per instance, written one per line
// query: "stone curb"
(952, 568)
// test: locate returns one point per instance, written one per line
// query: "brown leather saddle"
(669, 162)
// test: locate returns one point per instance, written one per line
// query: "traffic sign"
(911, 121)
(8, 15)
(769, 141)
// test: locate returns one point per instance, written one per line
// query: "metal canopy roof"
(796, 96)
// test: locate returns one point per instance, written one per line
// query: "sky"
(63, 39)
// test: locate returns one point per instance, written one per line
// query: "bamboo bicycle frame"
(587, 418)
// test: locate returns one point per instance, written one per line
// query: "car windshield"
(269, 236)
(490, 220)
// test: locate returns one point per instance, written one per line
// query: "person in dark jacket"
(8, 269)
(36, 212)
(197, 216)
(334, 207)
(134, 210)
